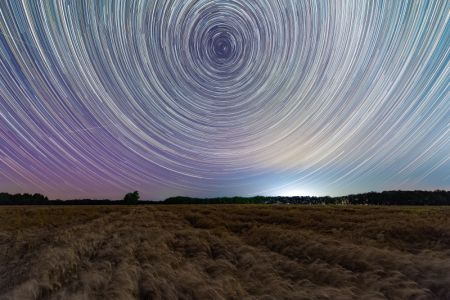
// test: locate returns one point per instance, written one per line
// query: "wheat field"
(224, 252)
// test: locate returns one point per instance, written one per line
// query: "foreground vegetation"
(224, 252)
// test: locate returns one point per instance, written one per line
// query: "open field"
(224, 252)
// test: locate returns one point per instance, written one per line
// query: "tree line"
(438, 197)
(39, 199)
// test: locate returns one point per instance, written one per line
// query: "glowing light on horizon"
(296, 192)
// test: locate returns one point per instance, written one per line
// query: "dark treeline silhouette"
(10, 199)
(38, 199)
(438, 197)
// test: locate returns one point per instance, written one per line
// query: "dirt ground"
(224, 252)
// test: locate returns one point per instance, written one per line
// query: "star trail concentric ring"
(215, 97)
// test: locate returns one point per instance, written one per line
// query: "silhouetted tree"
(131, 198)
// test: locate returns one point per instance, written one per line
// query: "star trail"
(213, 97)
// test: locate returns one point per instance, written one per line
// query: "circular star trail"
(209, 98)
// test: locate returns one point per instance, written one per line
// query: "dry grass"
(224, 252)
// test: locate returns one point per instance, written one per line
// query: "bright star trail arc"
(211, 98)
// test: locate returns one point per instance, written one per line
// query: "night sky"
(211, 98)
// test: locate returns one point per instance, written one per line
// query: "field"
(224, 252)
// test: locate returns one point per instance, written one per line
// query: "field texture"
(224, 252)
